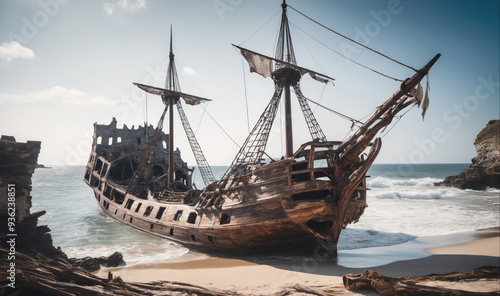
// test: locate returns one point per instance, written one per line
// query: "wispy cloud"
(61, 95)
(13, 50)
(125, 5)
(189, 71)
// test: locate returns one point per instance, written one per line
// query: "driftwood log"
(45, 276)
(370, 280)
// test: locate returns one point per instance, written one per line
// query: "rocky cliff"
(484, 171)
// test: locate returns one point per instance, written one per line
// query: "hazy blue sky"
(65, 64)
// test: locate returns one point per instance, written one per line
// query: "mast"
(171, 83)
(171, 95)
(285, 74)
(284, 52)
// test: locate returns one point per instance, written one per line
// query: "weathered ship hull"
(280, 207)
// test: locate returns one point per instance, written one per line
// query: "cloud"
(125, 5)
(109, 8)
(188, 71)
(61, 95)
(13, 50)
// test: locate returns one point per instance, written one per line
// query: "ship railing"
(314, 161)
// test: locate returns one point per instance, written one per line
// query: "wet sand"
(268, 276)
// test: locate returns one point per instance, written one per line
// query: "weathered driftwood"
(45, 276)
(370, 280)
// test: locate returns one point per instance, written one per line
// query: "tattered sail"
(263, 65)
(189, 99)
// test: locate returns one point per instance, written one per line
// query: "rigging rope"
(258, 29)
(310, 53)
(399, 118)
(320, 97)
(221, 127)
(246, 96)
(335, 112)
(349, 59)
(343, 36)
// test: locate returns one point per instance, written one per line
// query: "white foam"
(407, 195)
(382, 182)
(133, 253)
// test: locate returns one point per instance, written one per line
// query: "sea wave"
(134, 253)
(382, 182)
(408, 195)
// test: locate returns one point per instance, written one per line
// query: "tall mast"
(171, 95)
(284, 52)
(171, 83)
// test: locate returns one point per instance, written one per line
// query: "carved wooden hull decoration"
(301, 202)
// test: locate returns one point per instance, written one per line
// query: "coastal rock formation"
(17, 164)
(94, 264)
(484, 171)
(21, 236)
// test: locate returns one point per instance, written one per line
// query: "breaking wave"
(381, 182)
(137, 252)
(408, 195)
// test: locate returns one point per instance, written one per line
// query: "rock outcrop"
(19, 230)
(484, 171)
(17, 164)
(94, 264)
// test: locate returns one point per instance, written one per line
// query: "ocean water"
(403, 205)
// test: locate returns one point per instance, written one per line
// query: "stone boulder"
(94, 264)
(484, 171)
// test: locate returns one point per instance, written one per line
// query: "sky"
(66, 64)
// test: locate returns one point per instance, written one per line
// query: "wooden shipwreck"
(302, 201)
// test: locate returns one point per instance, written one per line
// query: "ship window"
(178, 215)
(104, 169)
(225, 219)
(160, 212)
(130, 219)
(171, 231)
(116, 211)
(118, 197)
(98, 165)
(151, 226)
(107, 191)
(119, 140)
(148, 211)
(99, 140)
(124, 216)
(110, 141)
(94, 182)
(164, 145)
(210, 239)
(129, 203)
(138, 207)
(193, 238)
(192, 218)
(138, 140)
(105, 204)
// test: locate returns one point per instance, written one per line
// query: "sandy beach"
(268, 276)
